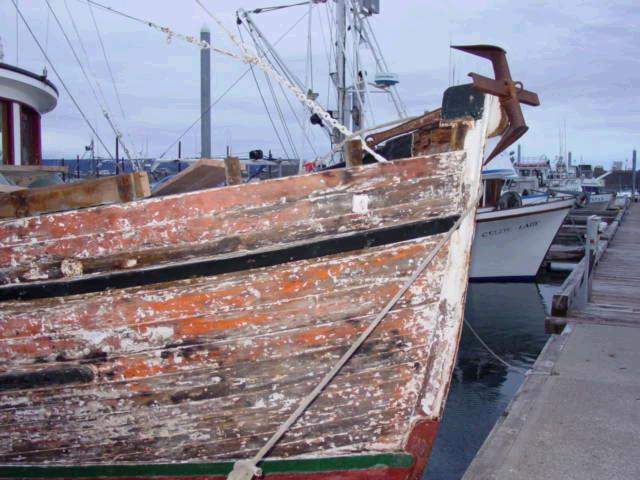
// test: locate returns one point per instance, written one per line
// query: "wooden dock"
(577, 415)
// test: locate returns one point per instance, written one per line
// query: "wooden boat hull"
(190, 373)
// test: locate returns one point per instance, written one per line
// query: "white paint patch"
(161, 333)
(360, 204)
(71, 268)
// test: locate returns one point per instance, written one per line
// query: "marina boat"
(27, 187)
(592, 190)
(302, 327)
(538, 176)
(514, 233)
(24, 98)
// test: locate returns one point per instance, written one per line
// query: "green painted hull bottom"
(308, 465)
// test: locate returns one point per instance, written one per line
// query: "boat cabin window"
(492, 192)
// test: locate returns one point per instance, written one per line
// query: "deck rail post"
(591, 250)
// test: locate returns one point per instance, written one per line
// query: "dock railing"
(575, 292)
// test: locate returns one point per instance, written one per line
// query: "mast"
(341, 62)
(205, 95)
(358, 93)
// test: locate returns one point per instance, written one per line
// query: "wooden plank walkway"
(577, 415)
(615, 288)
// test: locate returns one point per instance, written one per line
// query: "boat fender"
(509, 200)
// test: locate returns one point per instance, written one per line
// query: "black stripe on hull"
(210, 267)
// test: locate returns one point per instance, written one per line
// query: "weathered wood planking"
(205, 369)
(205, 173)
(68, 196)
(230, 220)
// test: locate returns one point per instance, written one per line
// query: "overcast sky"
(581, 57)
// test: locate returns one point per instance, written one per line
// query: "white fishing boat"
(513, 232)
(537, 175)
(593, 191)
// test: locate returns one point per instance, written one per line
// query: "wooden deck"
(615, 283)
(576, 416)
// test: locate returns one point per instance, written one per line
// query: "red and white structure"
(24, 97)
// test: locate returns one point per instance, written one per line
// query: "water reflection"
(510, 318)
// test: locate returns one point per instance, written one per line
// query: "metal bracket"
(511, 93)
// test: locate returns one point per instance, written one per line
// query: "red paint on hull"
(420, 444)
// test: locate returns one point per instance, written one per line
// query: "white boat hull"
(511, 244)
(600, 201)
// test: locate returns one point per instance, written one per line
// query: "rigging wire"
(371, 38)
(46, 35)
(217, 100)
(62, 82)
(278, 7)
(260, 47)
(308, 80)
(249, 56)
(197, 120)
(327, 49)
(87, 58)
(86, 76)
(264, 103)
(281, 115)
(274, 97)
(300, 123)
(106, 59)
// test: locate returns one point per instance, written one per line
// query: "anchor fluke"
(510, 92)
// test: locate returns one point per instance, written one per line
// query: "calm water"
(510, 318)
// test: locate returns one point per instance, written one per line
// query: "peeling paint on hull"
(201, 371)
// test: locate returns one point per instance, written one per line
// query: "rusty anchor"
(511, 93)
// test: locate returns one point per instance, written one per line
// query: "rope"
(519, 370)
(252, 58)
(360, 133)
(64, 85)
(246, 469)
